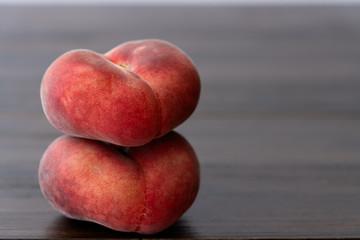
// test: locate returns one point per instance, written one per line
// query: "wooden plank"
(303, 183)
(256, 58)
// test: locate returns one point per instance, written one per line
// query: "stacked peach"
(120, 164)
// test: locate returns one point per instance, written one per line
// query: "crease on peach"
(143, 212)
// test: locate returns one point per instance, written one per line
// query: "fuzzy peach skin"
(128, 96)
(138, 189)
(169, 71)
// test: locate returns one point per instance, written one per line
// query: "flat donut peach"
(137, 189)
(136, 92)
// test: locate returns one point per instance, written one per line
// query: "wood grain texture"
(277, 129)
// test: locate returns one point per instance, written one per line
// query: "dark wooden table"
(277, 129)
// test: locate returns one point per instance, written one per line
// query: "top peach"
(136, 92)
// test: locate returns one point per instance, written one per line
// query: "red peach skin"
(169, 71)
(134, 93)
(144, 190)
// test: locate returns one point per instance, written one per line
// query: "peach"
(128, 96)
(142, 189)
